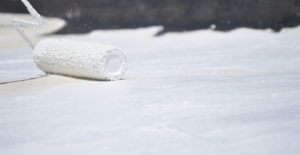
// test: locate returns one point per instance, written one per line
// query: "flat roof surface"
(200, 92)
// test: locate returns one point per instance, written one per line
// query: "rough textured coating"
(80, 59)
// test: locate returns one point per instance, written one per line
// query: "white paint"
(193, 93)
(80, 59)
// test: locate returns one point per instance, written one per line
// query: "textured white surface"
(194, 93)
(80, 59)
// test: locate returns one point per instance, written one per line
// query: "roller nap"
(80, 59)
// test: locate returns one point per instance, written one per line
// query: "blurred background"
(174, 15)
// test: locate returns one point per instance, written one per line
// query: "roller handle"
(19, 23)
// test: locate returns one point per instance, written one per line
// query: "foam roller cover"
(80, 59)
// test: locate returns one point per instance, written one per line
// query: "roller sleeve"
(80, 59)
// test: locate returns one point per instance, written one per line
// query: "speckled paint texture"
(80, 59)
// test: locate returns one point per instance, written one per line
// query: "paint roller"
(73, 58)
